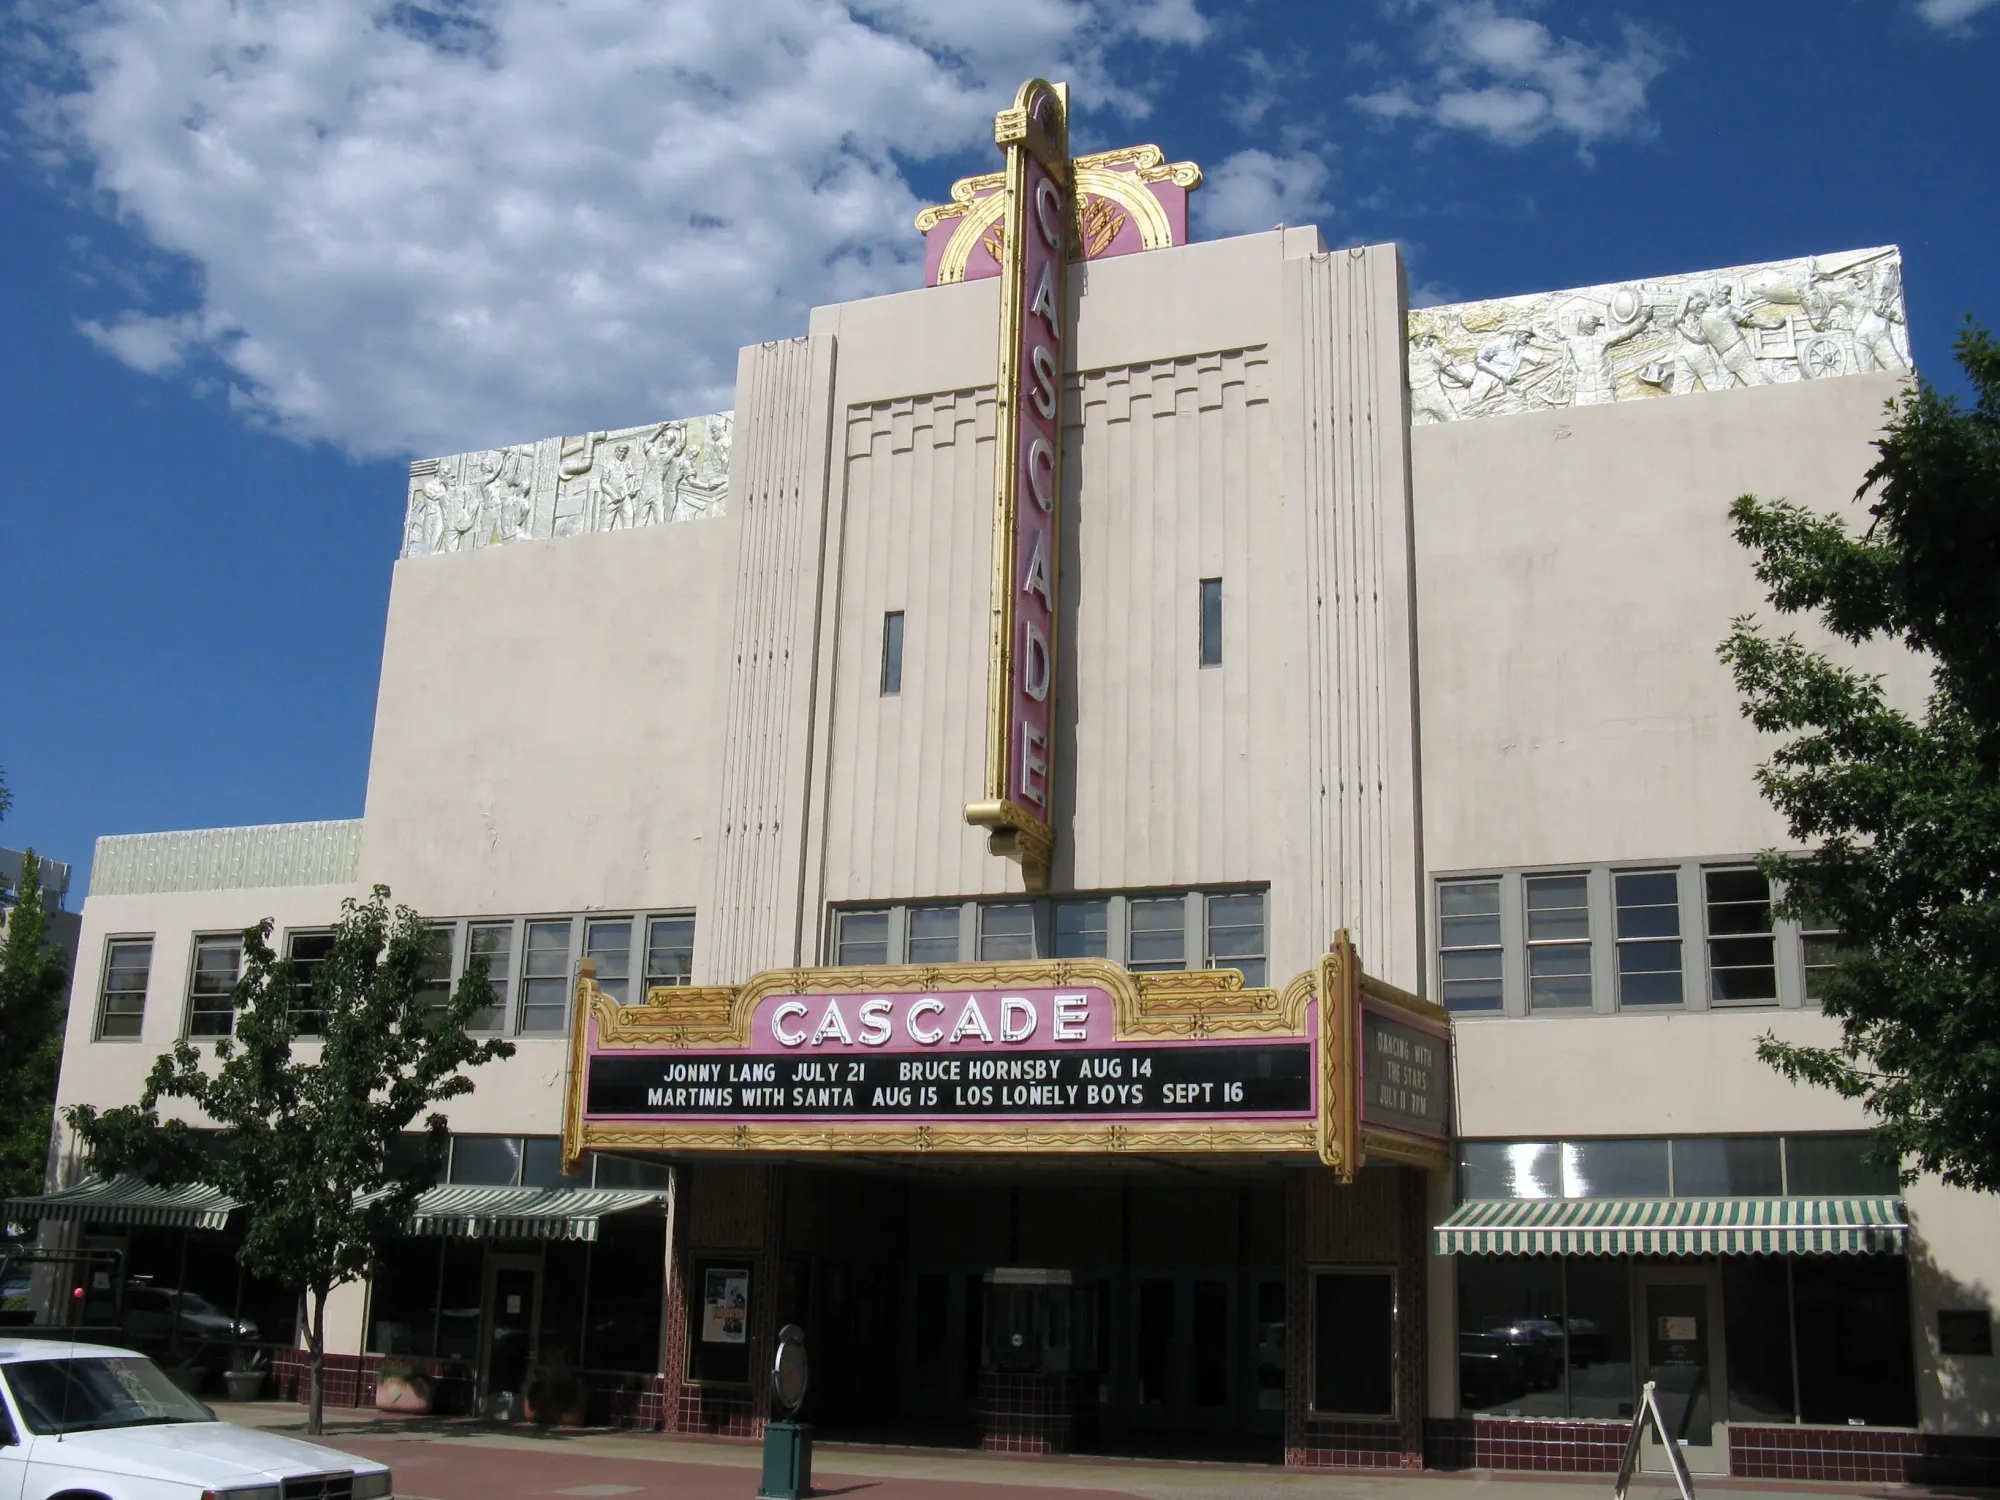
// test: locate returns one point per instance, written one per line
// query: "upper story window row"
(531, 965)
(1828, 1164)
(1687, 935)
(1146, 931)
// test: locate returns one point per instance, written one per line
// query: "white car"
(90, 1423)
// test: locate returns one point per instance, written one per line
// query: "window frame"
(1209, 601)
(895, 632)
(1510, 922)
(292, 935)
(1709, 938)
(1691, 874)
(196, 941)
(112, 942)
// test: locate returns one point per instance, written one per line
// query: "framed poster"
(725, 1305)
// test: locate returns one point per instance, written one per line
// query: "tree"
(1901, 813)
(34, 981)
(311, 1146)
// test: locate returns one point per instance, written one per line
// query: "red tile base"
(1035, 1413)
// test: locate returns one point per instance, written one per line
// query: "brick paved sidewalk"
(456, 1459)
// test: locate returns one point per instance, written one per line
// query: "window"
(1211, 622)
(1851, 1314)
(1236, 935)
(1083, 929)
(1509, 1169)
(211, 990)
(1820, 947)
(121, 1006)
(1723, 1166)
(1649, 937)
(932, 935)
(1158, 939)
(1007, 931)
(494, 942)
(1354, 1343)
(862, 938)
(670, 951)
(1835, 1166)
(1558, 914)
(1742, 953)
(434, 978)
(307, 952)
(545, 977)
(892, 653)
(610, 943)
(1469, 945)
(1965, 1331)
(1511, 1345)
(486, 1160)
(541, 1164)
(1621, 1168)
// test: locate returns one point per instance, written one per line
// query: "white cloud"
(1949, 15)
(1512, 80)
(1253, 190)
(426, 225)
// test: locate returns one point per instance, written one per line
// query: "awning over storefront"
(1676, 1226)
(512, 1213)
(129, 1200)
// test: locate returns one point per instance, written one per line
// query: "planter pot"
(533, 1411)
(411, 1394)
(243, 1385)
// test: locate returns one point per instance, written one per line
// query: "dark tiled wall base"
(1035, 1413)
(1545, 1447)
(724, 1413)
(1352, 1445)
(347, 1379)
(1862, 1454)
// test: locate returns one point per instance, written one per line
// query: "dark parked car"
(1489, 1370)
(1540, 1344)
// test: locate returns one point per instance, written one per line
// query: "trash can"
(788, 1461)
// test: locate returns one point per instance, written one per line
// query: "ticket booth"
(1037, 1368)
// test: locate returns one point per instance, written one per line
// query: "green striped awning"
(1675, 1226)
(129, 1200)
(511, 1213)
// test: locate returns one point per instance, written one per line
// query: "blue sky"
(257, 256)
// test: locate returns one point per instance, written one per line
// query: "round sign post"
(788, 1441)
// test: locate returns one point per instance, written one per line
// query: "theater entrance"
(1161, 1308)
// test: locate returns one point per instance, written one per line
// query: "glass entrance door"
(513, 1289)
(1680, 1326)
(1186, 1370)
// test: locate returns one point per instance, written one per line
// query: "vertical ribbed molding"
(1347, 441)
(751, 919)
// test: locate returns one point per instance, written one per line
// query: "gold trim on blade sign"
(1038, 126)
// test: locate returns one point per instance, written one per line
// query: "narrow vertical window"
(1469, 945)
(1742, 953)
(211, 1007)
(1083, 929)
(434, 978)
(932, 935)
(545, 977)
(892, 653)
(1236, 935)
(1649, 937)
(669, 951)
(1211, 622)
(1158, 937)
(1558, 942)
(494, 942)
(307, 953)
(1822, 945)
(610, 943)
(121, 1006)
(1006, 931)
(862, 937)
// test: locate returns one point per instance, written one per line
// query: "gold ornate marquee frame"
(1187, 1006)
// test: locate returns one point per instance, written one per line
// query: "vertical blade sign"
(1021, 686)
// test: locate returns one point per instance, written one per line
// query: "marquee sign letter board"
(1061, 1055)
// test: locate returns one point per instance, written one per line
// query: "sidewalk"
(458, 1459)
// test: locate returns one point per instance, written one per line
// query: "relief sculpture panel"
(1808, 319)
(598, 481)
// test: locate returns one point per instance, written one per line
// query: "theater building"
(1147, 841)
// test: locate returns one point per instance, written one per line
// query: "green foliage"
(309, 1143)
(1901, 813)
(34, 979)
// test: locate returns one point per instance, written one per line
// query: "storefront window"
(622, 1309)
(1757, 1328)
(1615, 1169)
(1597, 1303)
(1853, 1321)
(461, 1288)
(1510, 1335)
(403, 1299)
(1509, 1169)
(566, 1277)
(1724, 1166)
(1354, 1343)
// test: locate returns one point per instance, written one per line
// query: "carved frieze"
(1808, 319)
(598, 481)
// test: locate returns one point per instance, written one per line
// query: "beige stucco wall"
(1575, 572)
(546, 731)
